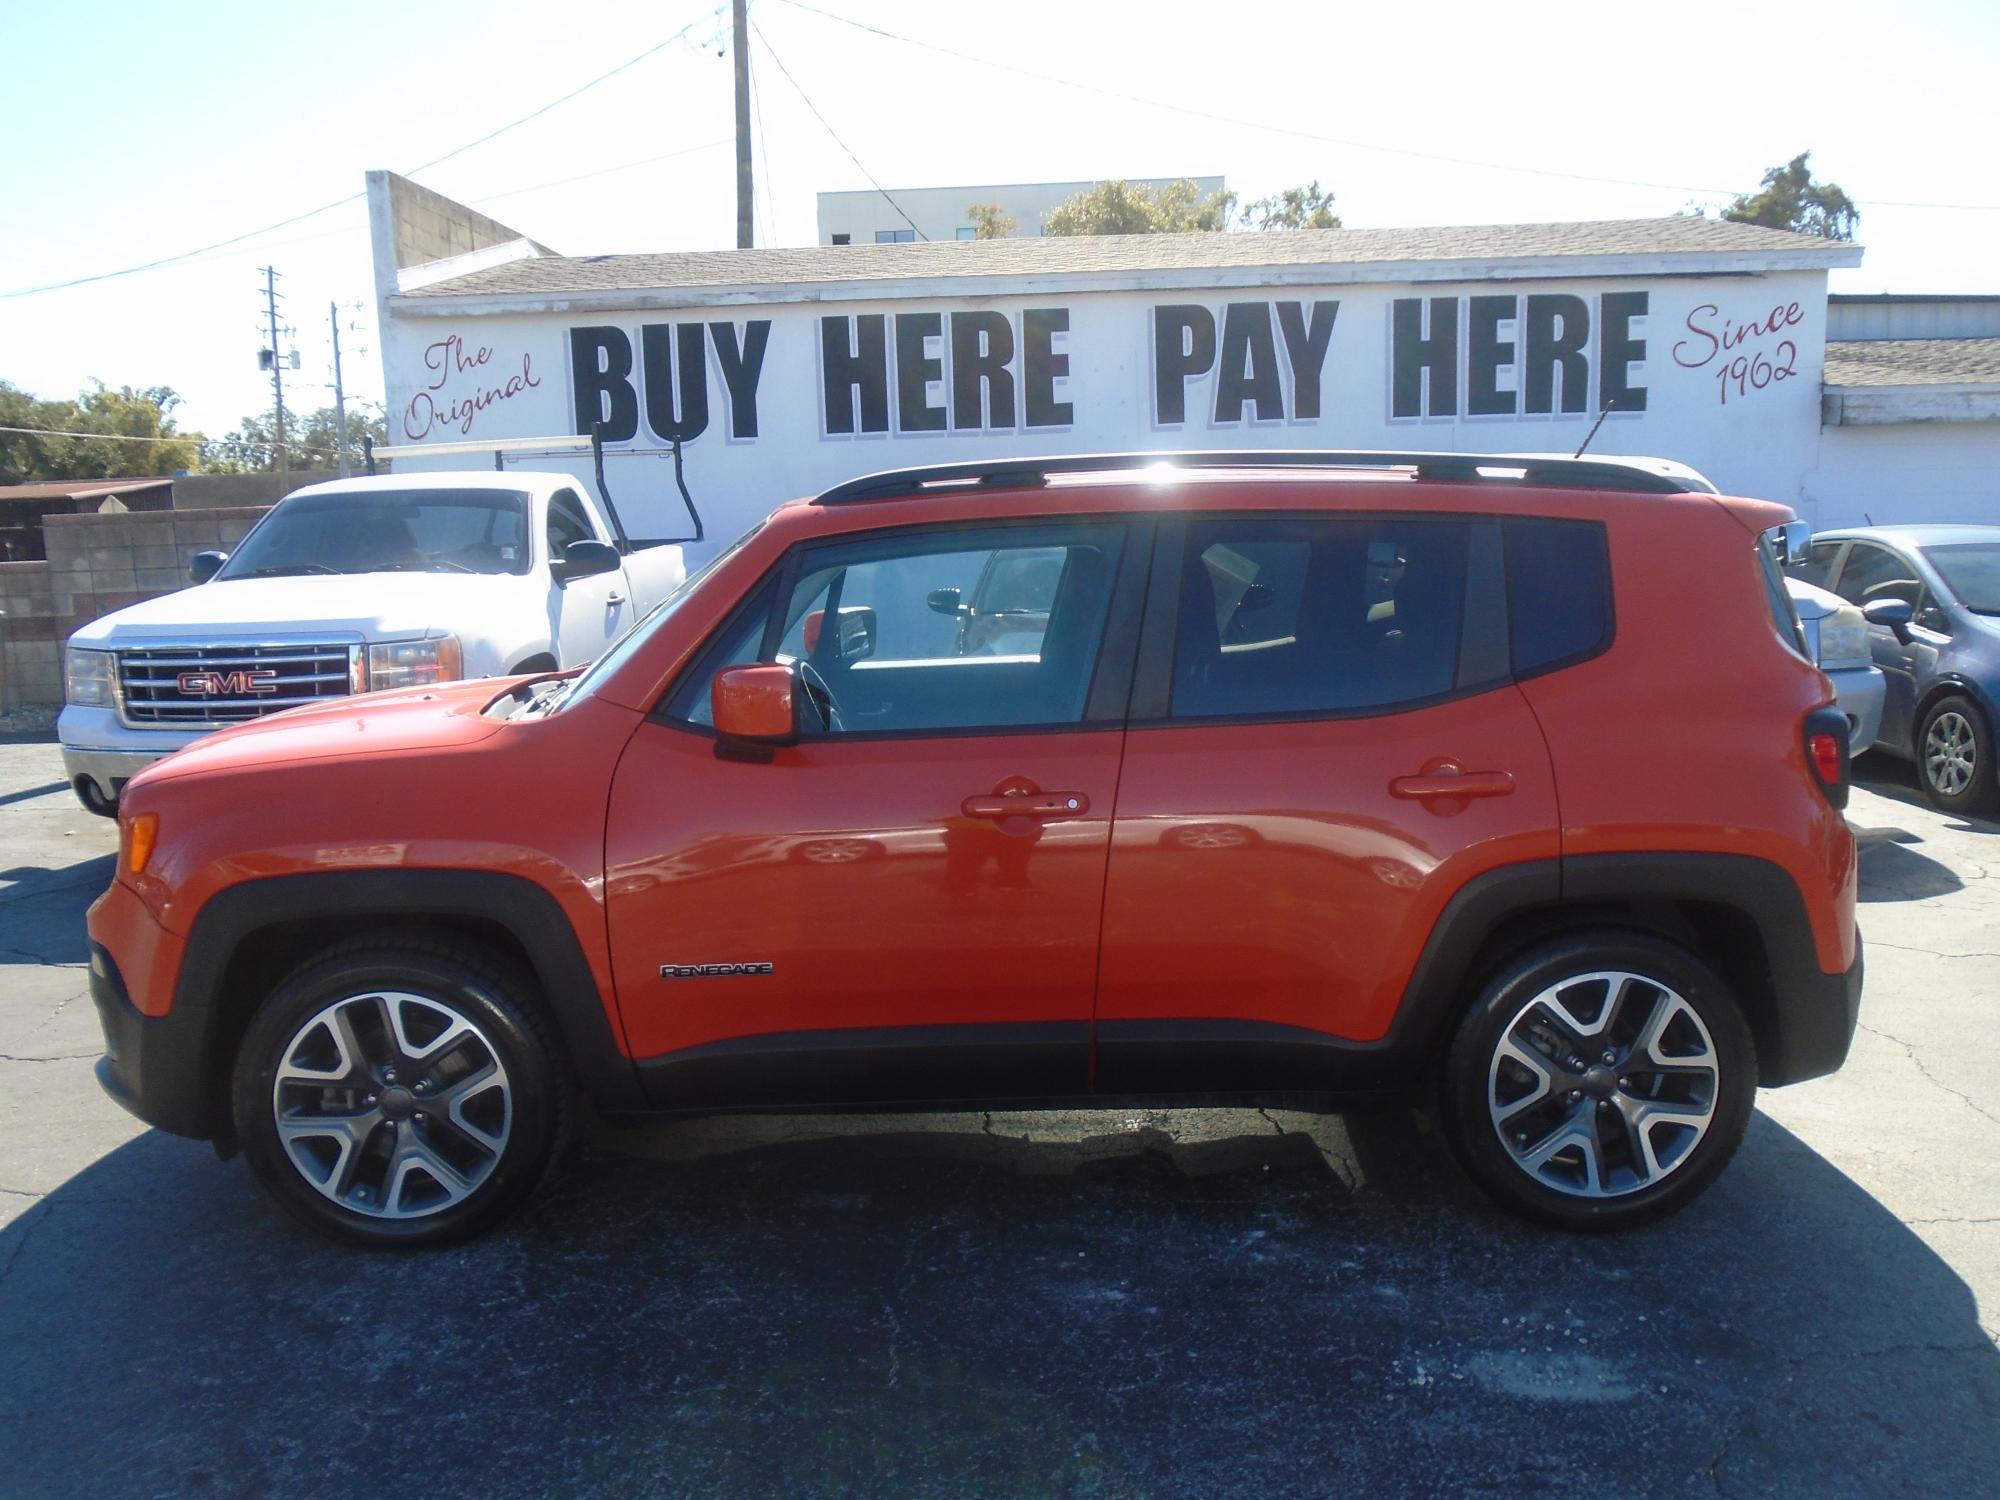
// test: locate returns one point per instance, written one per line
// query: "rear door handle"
(1032, 805)
(1452, 783)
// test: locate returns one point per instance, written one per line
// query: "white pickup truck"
(388, 581)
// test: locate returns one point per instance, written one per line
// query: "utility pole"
(339, 396)
(277, 365)
(745, 229)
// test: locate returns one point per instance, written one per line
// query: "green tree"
(311, 441)
(990, 221)
(1790, 199)
(1131, 208)
(1305, 207)
(124, 413)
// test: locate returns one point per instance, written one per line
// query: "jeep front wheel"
(1600, 1081)
(402, 1094)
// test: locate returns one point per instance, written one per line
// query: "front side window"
(567, 523)
(1875, 573)
(1303, 617)
(945, 631)
(388, 531)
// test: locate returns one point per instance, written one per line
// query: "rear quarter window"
(1559, 608)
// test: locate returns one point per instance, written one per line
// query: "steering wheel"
(820, 696)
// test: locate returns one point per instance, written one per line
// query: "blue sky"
(143, 131)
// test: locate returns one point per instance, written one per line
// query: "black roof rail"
(1028, 473)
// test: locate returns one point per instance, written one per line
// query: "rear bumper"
(1818, 1012)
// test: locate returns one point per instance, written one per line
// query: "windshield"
(1971, 570)
(642, 630)
(388, 531)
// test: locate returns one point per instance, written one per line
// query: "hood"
(358, 606)
(433, 718)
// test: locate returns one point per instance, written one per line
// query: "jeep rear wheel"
(1600, 1081)
(399, 1095)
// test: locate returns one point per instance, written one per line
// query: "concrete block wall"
(96, 564)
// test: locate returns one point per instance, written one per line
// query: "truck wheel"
(1955, 758)
(399, 1094)
(1600, 1081)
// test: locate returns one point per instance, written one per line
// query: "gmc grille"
(193, 685)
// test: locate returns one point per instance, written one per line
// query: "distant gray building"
(941, 213)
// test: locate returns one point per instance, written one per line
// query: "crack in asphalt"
(1952, 1221)
(1275, 1126)
(50, 890)
(1965, 1098)
(56, 1057)
(1928, 952)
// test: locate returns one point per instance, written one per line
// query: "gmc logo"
(237, 684)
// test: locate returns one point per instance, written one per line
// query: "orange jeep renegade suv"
(1116, 779)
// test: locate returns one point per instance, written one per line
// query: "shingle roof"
(822, 264)
(1913, 362)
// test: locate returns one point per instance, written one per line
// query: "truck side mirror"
(584, 560)
(205, 565)
(755, 704)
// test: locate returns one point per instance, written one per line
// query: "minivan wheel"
(400, 1094)
(1954, 758)
(1599, 1082)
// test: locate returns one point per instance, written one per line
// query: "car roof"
(1939, 535)
(508, 481)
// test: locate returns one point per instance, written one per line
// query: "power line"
(1310, 135)
(834, 133)
(249, 234)
(199, 440)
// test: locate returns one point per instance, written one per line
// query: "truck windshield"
(388, 531)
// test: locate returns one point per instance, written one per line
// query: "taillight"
(1827, 752)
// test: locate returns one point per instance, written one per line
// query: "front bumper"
(151, 1065)
(99, 750)
(1860, 692)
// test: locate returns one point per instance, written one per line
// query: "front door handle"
(1027, 805)
(613, 600)
(1449, 780)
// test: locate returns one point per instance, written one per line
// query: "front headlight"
(90, 678)
(1843, 637)
(408, 664)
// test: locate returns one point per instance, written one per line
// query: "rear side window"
(1816, 567)
(1558, 592)
(1312, 617)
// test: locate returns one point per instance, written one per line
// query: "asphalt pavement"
(1224, 1303)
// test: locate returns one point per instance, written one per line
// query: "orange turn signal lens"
(142, 832)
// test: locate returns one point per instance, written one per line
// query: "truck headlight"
(90, 678)
(1843, 637)
(408, 664)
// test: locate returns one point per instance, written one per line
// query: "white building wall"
(1747, 415)
(940, 212)
(1909, 472)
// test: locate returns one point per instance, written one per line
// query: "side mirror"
(1896, 614)
(755, 704)
(1791, 542)
(584, 560)
(205, 565)
(856, 641)
(944, 601)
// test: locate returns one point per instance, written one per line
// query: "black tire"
(1957, 772)
(1608, 1183)
(526, 1106)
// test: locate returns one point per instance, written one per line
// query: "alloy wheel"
(391, 1104)
(1603, 1084)
(1951, 754)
